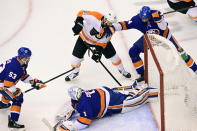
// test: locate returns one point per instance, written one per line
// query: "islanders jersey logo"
(153, 31)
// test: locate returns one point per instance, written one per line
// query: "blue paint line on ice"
(21, 27)
(147, 110)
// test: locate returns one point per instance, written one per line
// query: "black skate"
(140, 79)
(71, 76)
(125, 74)
(13, 126)
(4, 106)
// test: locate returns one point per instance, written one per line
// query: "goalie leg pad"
(67, 126)
(131, 103)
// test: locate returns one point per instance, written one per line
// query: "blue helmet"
(24, 52)
(145, 13)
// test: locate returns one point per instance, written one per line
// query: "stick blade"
(47, 123)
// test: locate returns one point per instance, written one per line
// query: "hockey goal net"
(177, 84)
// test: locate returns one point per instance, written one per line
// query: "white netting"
(180, 83)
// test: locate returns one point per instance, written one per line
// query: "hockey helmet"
(75, 92)
(110, 18)
(24, 52)
(145, 13)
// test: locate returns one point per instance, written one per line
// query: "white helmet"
(110, 18)
(75, 92)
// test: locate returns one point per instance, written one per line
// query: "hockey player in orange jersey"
(179, 5)
(92, 31)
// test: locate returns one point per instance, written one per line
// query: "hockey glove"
(78, 25)
(38, 84)
(107, 31)
(97, 53)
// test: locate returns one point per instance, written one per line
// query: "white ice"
(44, 26)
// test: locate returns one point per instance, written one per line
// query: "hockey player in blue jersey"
(150, 22)
(11, 71)
(100, 102)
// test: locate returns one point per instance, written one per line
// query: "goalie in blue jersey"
(11, 71)
(149, 21)
(101, 102)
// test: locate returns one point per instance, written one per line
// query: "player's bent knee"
(133, 52)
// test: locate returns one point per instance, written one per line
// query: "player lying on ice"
(100, 102)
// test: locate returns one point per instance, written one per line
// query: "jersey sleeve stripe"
(24, 77)
(93, 13)
(102, 102)
(123, 24)
(8, 83)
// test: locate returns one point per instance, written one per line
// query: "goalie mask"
(109, 19)
(75, 92)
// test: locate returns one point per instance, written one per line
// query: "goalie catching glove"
(37, 84)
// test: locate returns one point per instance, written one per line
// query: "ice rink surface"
(44, 26)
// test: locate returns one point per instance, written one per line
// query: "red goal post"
(148, 45)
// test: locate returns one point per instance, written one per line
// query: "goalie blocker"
(101, 102)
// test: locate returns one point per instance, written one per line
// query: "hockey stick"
(47, 123)
(103, 65)
(179, 10)
(51, 79)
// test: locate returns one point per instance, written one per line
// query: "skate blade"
(17, 129)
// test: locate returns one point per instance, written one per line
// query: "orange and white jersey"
(92, 20)
(176, 1)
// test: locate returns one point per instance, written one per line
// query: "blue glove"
(107, 31)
